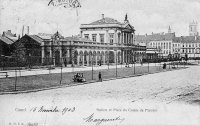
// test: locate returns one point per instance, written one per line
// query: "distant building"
(5, 43)
(160, 41)
(193, 29)
(169, 30)
(10, 35)
(6, 39)
(168, 45)
(190, 45)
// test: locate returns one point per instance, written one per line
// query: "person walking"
(164, 66)
(100, 78)
(65, 62)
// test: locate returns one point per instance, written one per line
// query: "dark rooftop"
(6, 40)
(105, 20)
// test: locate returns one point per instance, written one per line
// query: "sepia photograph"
(99, 63)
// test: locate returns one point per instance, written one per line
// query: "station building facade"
(113, 41)
(104, 41)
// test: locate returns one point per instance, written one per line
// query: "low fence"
(6, 62)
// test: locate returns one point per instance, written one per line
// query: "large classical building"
(104, 41)
(113, 41)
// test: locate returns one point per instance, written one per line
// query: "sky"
(146, 16)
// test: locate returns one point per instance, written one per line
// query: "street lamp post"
(148, 66)
(61, 74)
(92, 65)
(116, 63)
(134, 64)
(108, 59)
(15, 79)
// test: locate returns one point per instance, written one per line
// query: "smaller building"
(27, 50)
(190, 46)
(161, 44)
(6, 39)
(5, 43)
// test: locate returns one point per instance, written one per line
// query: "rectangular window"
(111, 36)
(101, 38)
(120, 38)
(86, 36)
(166, 45)
(94, 37)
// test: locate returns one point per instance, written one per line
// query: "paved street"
(167, 97)
(167, 87)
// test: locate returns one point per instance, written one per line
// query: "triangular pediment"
(128, 26)
(57, 35)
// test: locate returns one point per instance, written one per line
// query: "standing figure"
(65, 62)
(100, 78)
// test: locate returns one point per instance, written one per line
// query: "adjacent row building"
(170, 46)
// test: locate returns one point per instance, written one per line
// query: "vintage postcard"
(99, 63)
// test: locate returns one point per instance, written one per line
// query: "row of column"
(124, 57)
(87, 58)
(126, 37)
(50, 53)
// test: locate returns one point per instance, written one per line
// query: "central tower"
(193, 28)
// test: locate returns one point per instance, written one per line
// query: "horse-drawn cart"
(79, 78)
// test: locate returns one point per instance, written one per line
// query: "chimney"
(23, 31)
(27, 30)
(18, 36)
(102, 16)
(3, 34)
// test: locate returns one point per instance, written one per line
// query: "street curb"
(77, 84)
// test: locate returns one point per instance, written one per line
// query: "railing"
(79, 43)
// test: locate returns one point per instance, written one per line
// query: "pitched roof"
(6, 40)
(189, 39)
(36, 38)
(9, 34)
(44, 35)
(105, 20)
(155, 37)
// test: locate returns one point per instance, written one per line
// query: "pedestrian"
(100, 78)
(65, 62)
(141, 62)
(164, 66)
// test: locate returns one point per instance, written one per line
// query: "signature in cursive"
(99, 121)
(65, 3)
